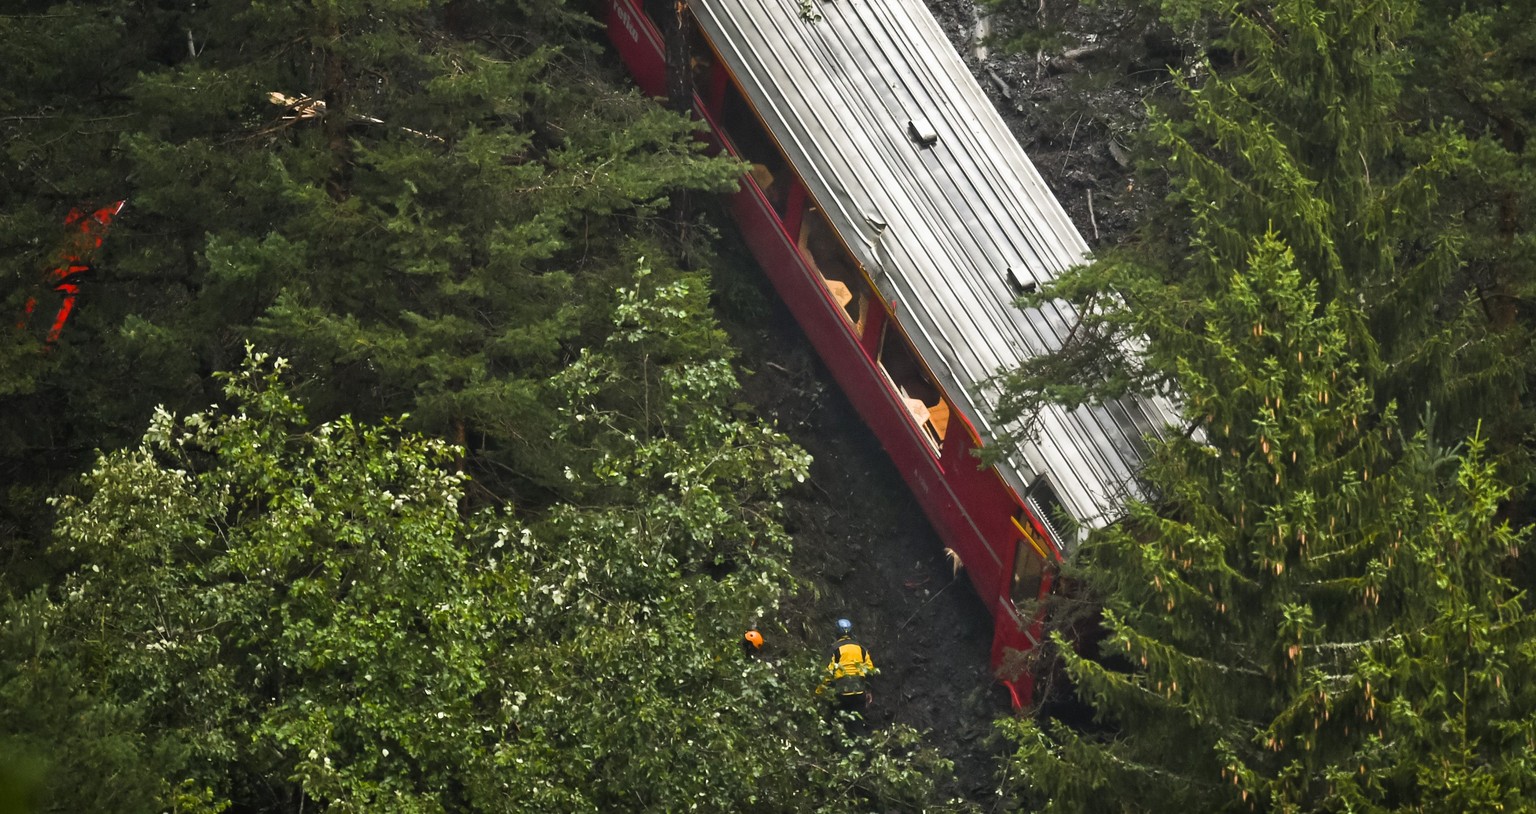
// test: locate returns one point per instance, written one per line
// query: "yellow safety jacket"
(849, 668)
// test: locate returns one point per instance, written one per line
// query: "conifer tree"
(1286, 627)
(1317, 593)
(1293, 121)
(425, 205)
(62, 109)
(1472, 76)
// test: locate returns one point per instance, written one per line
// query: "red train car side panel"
(639, 45)
(972, 509)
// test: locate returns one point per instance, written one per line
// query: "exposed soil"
(871, 556)
(860, 538)
(1076, 105)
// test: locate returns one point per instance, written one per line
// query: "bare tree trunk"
(679, 71)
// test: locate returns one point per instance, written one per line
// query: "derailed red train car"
(899, 219)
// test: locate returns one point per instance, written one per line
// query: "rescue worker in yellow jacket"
(849, 670)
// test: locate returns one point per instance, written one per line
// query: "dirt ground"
(870, 556)
(860, 539)
(1076, 105)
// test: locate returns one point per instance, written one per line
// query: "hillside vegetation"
(390, 460)
(1324, 608)
(392, 457)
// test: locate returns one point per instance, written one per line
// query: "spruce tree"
(426, 205)
(1316, 592)
(62, 109)
(1287, 626)
(423, 204)
(1472, 77)
(1293, 120)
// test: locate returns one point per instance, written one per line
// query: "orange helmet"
(754, 638)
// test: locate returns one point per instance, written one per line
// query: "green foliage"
(441, 241)
(1316, 615)
(1028, 27)
(246, 580)
(1299, 130)
(1472, 78)
(268, 614)
(1316, 612)
(60, 117)
(437, 212)
(55, 730)
(424, 205)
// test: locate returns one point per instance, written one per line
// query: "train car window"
(1050, 510)
(839, 273)
(701, 59)
(660, 12)
(924, 401)
(753, 144)
(1028, 563)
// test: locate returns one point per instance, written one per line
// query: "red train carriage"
(899, 219)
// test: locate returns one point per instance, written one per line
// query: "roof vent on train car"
(922, 132)
(1019, 285)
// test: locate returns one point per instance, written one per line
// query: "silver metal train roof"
(937, 227)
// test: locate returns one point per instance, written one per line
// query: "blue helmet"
(844, 627)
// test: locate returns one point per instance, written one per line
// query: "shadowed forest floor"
(870, 555)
